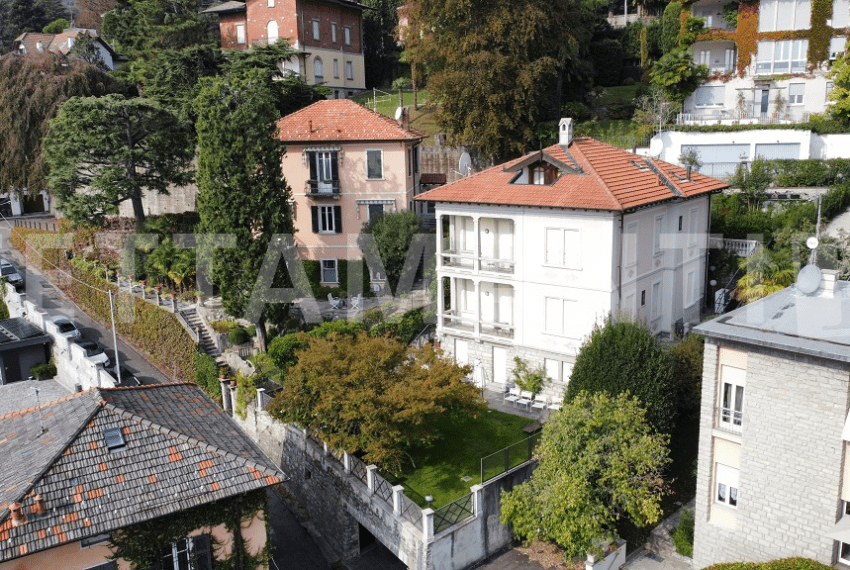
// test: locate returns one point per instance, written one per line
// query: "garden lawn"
(624, 93)
(622, 133)
(439, 470)
(422, 119)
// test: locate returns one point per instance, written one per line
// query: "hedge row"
(810, 172)
(151, 329)
(819, 127)
(783, 564)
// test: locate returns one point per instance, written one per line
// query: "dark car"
(127, 377)
(10, 274)
(94, 351)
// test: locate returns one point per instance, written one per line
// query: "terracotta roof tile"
(609, 179)
(340, 120)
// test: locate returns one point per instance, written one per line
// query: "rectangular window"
(552, 368)
(349, 70)
(732, 384)
(727, 485)
(329, 272)
(270, 3)
(324, 172)
(333, 32)
(409, 161)
(375, 210)
(785, 56)
(643, 298)
(316, 35)
(656, 235)
(836, 47)
(327, 219)
(693, 221)
(347, 35)
(194, 553)
(690, 287)
(374, 164)
(795, 93)
(416, 159)
(656, 299)
(844, 553)
(557, 311)
(840, 14)
(563, 247)
(240, 34)
(779, 15)
(710, 96)
(631, 239)
(336, 68)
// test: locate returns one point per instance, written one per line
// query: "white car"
(94, 352)
(66, 328)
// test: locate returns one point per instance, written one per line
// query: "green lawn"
(618, 92)
(439, 470)
(422, 118)
(621, 133)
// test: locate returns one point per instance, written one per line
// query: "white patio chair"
(525, 399)
(540, 402)
(512, 395)
(335, 302)
(556, 404)
(356, 301)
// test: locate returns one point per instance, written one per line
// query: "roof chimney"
(310, 124)
(565, 132)
(38, 507)
(39, 46)
(828, 281)
(18, 517)
(688, 170)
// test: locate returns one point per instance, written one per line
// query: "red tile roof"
(341, 120)
(608, 179)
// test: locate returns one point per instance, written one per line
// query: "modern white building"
(534, 252)
(779, 49)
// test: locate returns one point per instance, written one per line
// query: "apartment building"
(327, 36)
(534, 252)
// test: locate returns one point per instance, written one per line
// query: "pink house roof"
(341, 120)
(596, 176)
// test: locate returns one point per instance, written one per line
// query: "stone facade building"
(773, 473)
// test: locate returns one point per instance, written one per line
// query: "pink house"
(345, 164)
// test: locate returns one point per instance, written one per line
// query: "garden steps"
(205, 340)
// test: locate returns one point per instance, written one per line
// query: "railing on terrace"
(501, 330)
(453, 513)
(454, 321)
(458, 260)
(729, 420)
(411, 512)
(383, 489)
(358, 469)
(467, 260)
(730, 116)
(512, 456)
(497, 265)
(315, 190)
(741, 247)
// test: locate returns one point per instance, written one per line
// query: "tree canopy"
(104, 150)
(840, 95)
(623, 356)
(32, 87)
(599, 461)
(370, 394)
(393, 234)
(677, 74)
(498, 68)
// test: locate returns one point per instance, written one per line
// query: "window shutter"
(203, 552)
(338, 219)
(311, 156)
(334, 166)
(314, 211)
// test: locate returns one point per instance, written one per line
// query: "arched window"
(318, 70)
(271, 32)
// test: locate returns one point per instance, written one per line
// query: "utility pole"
(114, 336)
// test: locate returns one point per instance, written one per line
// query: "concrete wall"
(178, 200)
(791, 455)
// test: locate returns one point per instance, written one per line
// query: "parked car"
(10, 274)
(66, 328)
(127, 377)
(94, 352)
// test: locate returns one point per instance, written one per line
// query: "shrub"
(223, 326)
(529, 380)
(783, 564)
(683, 534)
(238, 335)
(4, 309)
(206, 375)
(686, 357)
(43, 371)
(577, 110)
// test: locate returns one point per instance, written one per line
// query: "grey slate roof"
(817, 324)
(17, 395)
(164, 467)
(225, 7)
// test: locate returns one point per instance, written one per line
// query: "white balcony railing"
(454, 322)
(467, 260)
(729, 420)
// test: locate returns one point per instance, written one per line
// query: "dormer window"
(114, 439)
(539, 175)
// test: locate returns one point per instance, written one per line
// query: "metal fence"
(513, 455)
(358, 468)
(454, 512)
(411, 512)
(383, 489)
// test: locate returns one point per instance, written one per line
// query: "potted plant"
(778, 104)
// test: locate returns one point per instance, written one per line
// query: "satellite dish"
(812, 242)
(808, 280)
(465, 164)
(399, 113)
(656, 145)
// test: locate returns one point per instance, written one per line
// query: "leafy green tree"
(104, 150)
(766, 273)
(380, 51)
(623, 356)
(371, 394)
(599, 462)
(32, 88)
(393, 233)
(840, 95)
(498, 68)
(86, 48)
(753, 182)
(677, 74)
(241, 190)
(686, 357)
(56, 26)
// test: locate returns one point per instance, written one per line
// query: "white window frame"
(318, 68)
(317, 29)
(549, 326)
(840, 14)
(630, 242)
(566, 259)
(333, 32)
(767, 65)
(796, 99)
(657, 293)
(731, 400)
(336, 69)
(381, 158)
(346, 32)
(369, 210)
(721, 88)
(657, 230)
(843, 547)
(837, 46)
(801, 15)
(538, 175)
(349, 70)
(335, 269)
(272, 39)
(240, 34)
(726, 486)
(327, 220)
(561, 369)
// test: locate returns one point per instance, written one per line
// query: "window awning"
(841, 530)
(375, 201)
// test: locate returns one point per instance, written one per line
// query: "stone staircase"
(206, 341)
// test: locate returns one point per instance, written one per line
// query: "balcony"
(729, 420)
(456, 323)
(325, 189)
(733, 117)
(469, 262)
(498, 330)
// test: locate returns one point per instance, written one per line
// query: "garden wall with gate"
(336, 491)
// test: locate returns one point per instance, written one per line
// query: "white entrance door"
(500, 365)
(461, 352)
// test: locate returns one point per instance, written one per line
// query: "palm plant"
(765, 274)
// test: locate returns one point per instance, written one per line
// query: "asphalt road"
(54, 302)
